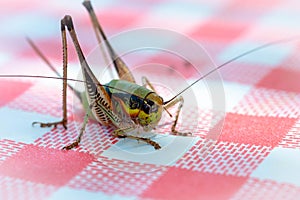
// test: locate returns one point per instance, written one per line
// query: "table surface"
(244, 118)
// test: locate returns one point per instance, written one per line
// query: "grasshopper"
(121, 102)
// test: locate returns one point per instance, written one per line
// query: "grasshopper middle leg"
(78, 140)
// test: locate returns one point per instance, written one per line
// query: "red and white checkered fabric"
(256, 155)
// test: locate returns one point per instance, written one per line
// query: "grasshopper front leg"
(172, 103)
(179, 100)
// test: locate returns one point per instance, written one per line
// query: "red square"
(51, 49)
(11, 90)
(256, 130)
(115, 18)
(45, 165)
(220, 30)
(184, 184)
(281, 79)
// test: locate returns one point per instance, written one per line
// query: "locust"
(121, 102)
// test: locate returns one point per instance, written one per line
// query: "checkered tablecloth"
(255, 155)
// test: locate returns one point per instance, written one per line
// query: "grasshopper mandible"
(122, 102)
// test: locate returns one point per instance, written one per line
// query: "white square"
(4, 57)
(16, 26)
(196, 12)
(280, 17)
(160, 15)
(173, 148)
(17, 125)
(281, 165)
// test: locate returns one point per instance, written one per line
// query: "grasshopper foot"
(71, 146)
(175, 132)
(151, 142)
(52, 124)
(120, 134)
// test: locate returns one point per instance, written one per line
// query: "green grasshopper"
(121, 102)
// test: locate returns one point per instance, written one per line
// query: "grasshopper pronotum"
(121, 102)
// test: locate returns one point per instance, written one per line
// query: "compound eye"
(133, 102)
(146, 107)
(154, 108)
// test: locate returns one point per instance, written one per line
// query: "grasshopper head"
(150, 112)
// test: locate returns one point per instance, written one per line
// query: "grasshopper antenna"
(40, 76)
(232, 60)
(42, 56)
(57, 78)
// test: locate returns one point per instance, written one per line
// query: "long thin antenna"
(48, 63)
(42, 56)
(40, 76)
(59, 78)
(232, 60)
